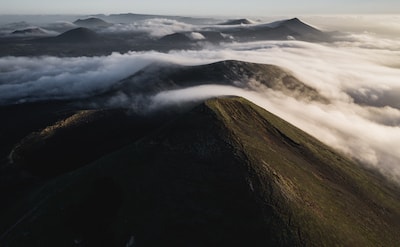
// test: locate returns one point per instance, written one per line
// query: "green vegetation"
(226, 173)
(326, 197)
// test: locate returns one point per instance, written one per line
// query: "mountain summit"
(159, 77)
(92, 23)
(279, 30)
(226, 173)
(31, 31)
(297, 25)
(238, 22)
(77, 35)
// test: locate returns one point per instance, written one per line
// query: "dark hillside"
(160, 77)
(237, 22)
(80, 35)
(30, 31)
(280, 30)
(227, 173)
(78, 140)
(77, 35)
(92, 23)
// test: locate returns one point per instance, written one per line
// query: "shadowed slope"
(280, 30)
(237, 22)
(92, 23)
(156, 78)
(322, 197)
(79, 35)
(78, 140)
(300, 27)
(30, 31)
(227, 173)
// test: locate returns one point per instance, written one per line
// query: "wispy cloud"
(362, 83)
(383, 25)
(156, 27)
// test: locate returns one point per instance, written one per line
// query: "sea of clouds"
(360, 75)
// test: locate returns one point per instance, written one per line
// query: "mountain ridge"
(238, 22)
(92, 22)
(31, 31)
(80, 35)
(159, 77)
(124, 37)
(225, 167)
(280, 30)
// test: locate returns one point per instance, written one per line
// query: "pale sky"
(201, 8)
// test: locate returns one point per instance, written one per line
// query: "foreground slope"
(227, 173)
(78, 140)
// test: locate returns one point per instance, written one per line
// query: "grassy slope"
(327, 197)
(227, 173)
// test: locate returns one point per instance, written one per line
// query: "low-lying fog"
(360, 75)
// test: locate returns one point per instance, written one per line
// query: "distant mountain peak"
(80, 31)
(80, 34)
(92, 22)
(295, 19)
(293, 28)
(238, 22)
(298, 25)
(31, 31)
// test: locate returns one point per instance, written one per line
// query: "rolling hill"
(125, 37)
(176, 38)
(31, 32)
(92, 23)
(160, 77)
(279, 30)
(80, 35)
(78, 140)
(238, 22)
(226, 173)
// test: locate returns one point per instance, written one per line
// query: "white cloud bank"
(362, 83)
(156, 27)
